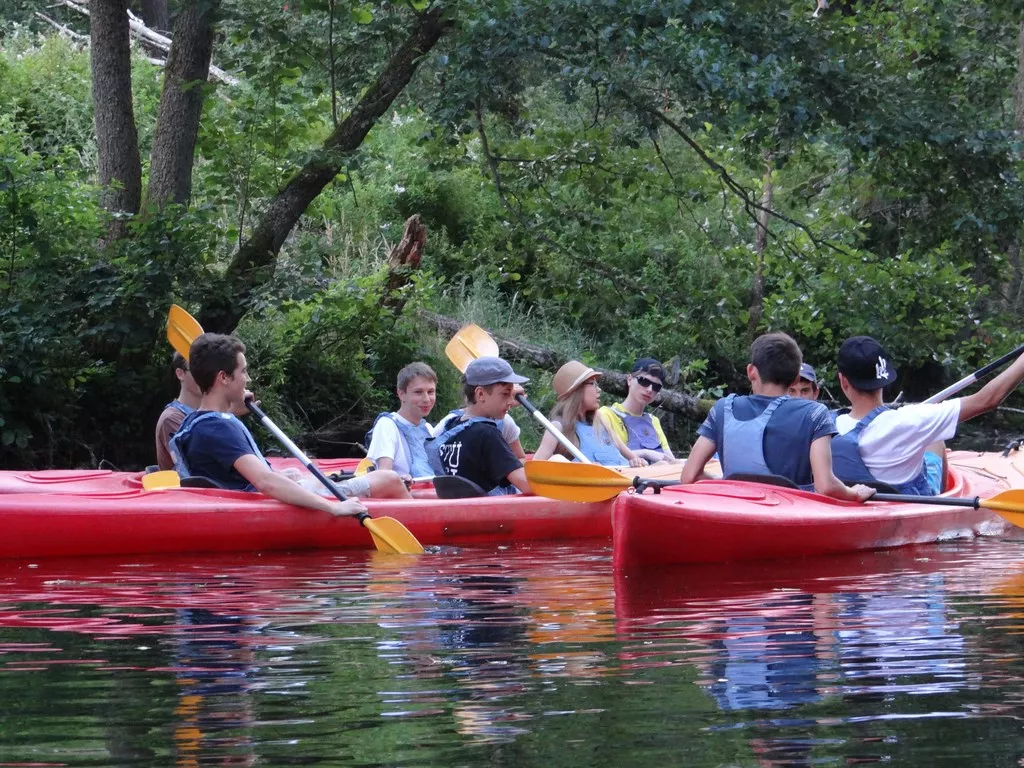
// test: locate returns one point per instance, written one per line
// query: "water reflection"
(532, 656)
(213, 663)
(777, 636)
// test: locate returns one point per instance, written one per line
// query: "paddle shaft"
(552, 429)
(948, 501)
(981, 373)
(298, 454)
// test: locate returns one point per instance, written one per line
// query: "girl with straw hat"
(575, 415)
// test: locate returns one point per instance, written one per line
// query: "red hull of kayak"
(721, 521)
(107, 481)
(201, 520)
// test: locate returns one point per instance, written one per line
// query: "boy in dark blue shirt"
(213, 443)
(770, 433)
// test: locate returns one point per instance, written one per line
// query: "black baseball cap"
(865, 363)
(649, 365)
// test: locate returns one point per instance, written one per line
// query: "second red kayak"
(719, 521)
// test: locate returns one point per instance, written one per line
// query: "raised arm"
(993, 393)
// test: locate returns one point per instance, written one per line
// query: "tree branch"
(153, 40)
(254, 262)
(752, 206)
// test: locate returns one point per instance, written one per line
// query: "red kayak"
(206, 520)
(108, 481)
(719, 521)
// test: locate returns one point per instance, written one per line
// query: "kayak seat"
(750, 477)
(197, 481)
(455, 487)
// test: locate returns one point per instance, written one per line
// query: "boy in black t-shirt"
(473, 446)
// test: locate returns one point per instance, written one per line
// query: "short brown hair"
(777, 358)
(469, 390)
(411, 371)
(178, 362)
(212, 353)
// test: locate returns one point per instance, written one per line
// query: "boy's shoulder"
(791, 407)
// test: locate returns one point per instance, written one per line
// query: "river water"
(537, 656)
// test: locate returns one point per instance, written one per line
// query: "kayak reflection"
(776, 636)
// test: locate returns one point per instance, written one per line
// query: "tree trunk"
(117, 142)
(154, 13)
(1014, 291)
(760, 242)
(253, 264)
(1018, 83)
(181, 105)
(402, 261)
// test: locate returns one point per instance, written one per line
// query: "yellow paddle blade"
(569, 481)
(1008, 504)
(155, 481)
(182, 329)
(389, 535)
(468, 344)
(364, 466)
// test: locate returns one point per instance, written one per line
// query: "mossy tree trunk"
(117, 140)
(181, 105)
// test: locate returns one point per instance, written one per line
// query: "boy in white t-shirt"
(880, 444)
(398, 437)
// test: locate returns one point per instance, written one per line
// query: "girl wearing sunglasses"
(641, 432)
(576, 416)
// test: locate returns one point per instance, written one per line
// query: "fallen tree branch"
(549, 360)
(150, 38)
(70, 33)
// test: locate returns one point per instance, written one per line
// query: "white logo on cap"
(882, 369)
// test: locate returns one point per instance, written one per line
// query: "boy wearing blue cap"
(472, 446)
(806, 386)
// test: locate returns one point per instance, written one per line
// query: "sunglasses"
(644, 382)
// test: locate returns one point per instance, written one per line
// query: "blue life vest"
(640, 431)
(415, 439)
(849, 466)
(503, 490)
(599, 448)
(742, 449)
(434, 445)
(448, 420)
(180, 406)
(177, 446)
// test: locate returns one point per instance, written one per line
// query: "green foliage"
(45, 89)
(588, 173)
(43, 221)
(345, 349)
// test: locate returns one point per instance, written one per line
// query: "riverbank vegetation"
(602, 179)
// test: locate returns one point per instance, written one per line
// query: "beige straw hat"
(570, 376)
